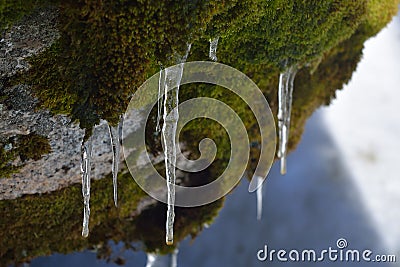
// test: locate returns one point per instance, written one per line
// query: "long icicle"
(171, 101)
(213, 49)
(115, 136)
(161, 84)
(86, 154)
(285, 92)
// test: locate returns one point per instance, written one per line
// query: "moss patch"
(31, 146)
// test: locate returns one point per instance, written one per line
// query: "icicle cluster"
(285, 92)
(170, 118)
(86, 154)
(115, 136)
(213, 49)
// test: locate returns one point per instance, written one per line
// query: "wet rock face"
(33, 34)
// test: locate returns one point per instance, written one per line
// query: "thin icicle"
(86, 154)
(115, 136)
(171, 101)
(285, 92)
(259, 197)
(161, 83)
(213, 49)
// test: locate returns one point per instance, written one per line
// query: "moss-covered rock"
(107, 50)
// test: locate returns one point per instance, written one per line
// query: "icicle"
(161, 83)
(171, 100)
(213, 48)
(115, 136)
(285, 92)
(259, 197)
(86, 154)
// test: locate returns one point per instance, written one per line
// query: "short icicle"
(170, 117)
(86, 154)
(285, 92)
(213, 48)
(115, 136)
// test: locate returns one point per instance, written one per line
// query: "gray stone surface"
(33, 34)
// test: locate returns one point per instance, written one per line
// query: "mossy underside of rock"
(54, 221)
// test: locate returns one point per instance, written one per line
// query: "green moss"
(6, 159)
(380, 13)
(31, 146)
(292, 32)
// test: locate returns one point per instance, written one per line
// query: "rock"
(33, 34)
